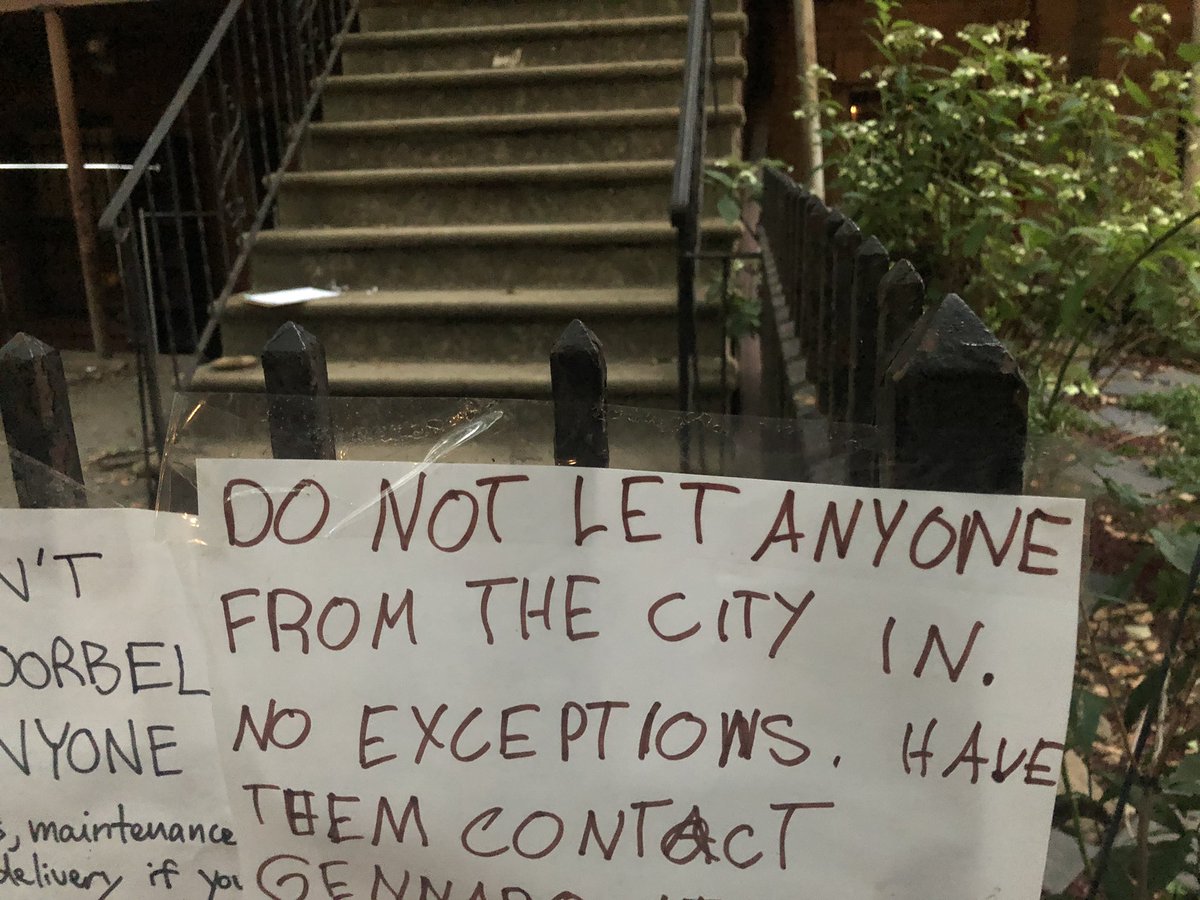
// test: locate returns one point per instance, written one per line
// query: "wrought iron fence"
(186, 216)
(849, 339)
(298, 411)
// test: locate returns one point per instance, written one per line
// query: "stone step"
(482, 326)
(619, 85)
(524, 139)
(539, 44)
(629, 384)
(590, 192)
(612, 255)
(401, 14)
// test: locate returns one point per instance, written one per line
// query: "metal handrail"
(186, 217)
(267, 205)
(124, 193)
(684, 202)
(687, 190)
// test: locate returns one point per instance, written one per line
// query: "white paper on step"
(291, 296)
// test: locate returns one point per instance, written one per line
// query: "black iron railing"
(918, 395)
(187, 215)
(687, 193)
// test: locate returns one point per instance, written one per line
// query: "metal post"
(870, 267)
(811, 267)
(81, 204)
(38, 426)
(818, 372)
(297, 383)
(579, 376)
(900, 304)
(953, 408)
(846, 244)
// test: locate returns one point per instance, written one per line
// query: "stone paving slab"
(1134, 474)
(1131, 382)
(1063, 864)
(1134, 422)
(1176, 377)
(1123, 384)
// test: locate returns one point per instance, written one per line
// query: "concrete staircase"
(485, 171)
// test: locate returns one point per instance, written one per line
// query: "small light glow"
(854, 111)
(62, 167)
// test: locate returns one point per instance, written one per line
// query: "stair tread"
(462, 378)
(555, 121)
(391, 236)
(455, 336)
(423, 36)
(516, 304)
(654, 68)
(539, 173)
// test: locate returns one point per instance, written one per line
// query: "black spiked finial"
(579, 377)
(297, 382)
(870, 267)
(847, 241)
(953, 408)
(819, 372)
(901, 302)
(811, 267)
(36, 410)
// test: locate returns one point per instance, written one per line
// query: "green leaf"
(1168, 859)
(1139, 698)
(1086, 709)
(1072, 303)
(1190, 53)
(1178, 549)
(729, 209)
(1185, 780)
(720, 178)
(1033, 234)
(1164, 155)
(1135, 91)
(1096, 235)
(976, 236)
(1166, 814)
(1118, 880)
(1124, 495)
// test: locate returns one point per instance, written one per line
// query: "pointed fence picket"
(847, 338)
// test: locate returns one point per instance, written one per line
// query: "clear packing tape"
(61, 490)
(521, 432)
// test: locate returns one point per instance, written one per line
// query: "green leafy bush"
(1054, 207)
(738, 188)
(1179, 410)
(1160, 861)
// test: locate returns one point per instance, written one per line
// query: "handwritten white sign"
(480, 682)
(111, 782)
